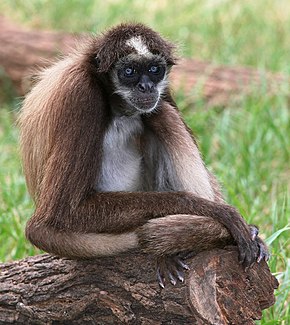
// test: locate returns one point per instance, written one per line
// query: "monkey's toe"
(170, 267)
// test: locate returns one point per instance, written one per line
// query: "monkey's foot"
(170, 267)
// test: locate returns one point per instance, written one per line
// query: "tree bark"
(123, 290)
(23, 51)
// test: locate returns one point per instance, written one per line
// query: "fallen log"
(123, 290)
(22, 51)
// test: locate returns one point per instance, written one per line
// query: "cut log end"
(222, 292)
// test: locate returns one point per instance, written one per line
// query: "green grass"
(15, 204)
(247, 145)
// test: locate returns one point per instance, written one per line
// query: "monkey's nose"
(145, 85)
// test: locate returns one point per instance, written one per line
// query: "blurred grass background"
(247, 145)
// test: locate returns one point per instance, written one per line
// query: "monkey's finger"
(251, 257)
(180, 275)
(260, 257)
(247, 255)
(177, 266)
(254, 231)
(160, 278)
(172, 269)
(248, 251)
(165, 270)
(182, 264)
(263, 254)
(172, 278)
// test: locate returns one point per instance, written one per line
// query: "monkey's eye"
(155, 69)
(129, 71)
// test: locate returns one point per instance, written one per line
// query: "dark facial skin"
(139, 82)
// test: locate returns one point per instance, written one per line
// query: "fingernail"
(180, 277)
(161, 285)
(185, 266)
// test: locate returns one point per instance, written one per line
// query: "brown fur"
(157, 237)
(63, 122)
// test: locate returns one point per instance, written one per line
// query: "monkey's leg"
(177, 233)
(169, 236)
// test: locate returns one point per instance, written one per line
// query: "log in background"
(123, 289)
(22, 51)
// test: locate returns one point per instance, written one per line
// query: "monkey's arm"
(117, 212)
(123, 212)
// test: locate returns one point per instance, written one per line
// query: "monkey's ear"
(99, 54)
(106, 57)
(102, 65)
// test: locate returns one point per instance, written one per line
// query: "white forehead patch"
(137, 44)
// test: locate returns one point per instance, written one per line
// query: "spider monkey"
(112, 166)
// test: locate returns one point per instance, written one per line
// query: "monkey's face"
(140, 81)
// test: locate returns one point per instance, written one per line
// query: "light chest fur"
(122, 161)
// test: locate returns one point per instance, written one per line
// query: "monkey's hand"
(241, 233)
(251, 248)
(263, 249)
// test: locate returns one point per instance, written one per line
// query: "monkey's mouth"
(145, 104)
